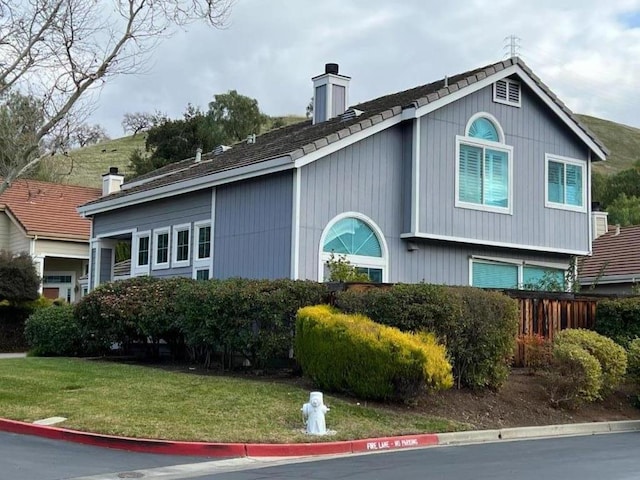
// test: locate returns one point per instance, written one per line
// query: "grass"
(135, 401)
(622, 141)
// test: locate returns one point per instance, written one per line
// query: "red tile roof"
(614, 255)
(49, 209)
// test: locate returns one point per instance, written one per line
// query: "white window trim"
(357, 260)
(518, 263)
(492, 119)
(196, 269)
(507, 102)
(548, 157)
(196, 238)
(175, 263)
(494, 146)
(154, 259)
(138, 269)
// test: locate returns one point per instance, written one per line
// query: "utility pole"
(512, 46)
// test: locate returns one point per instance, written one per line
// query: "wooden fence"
(545, 314)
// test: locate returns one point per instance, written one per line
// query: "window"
(181, 245)
(161, 245)
(202, 274)
(203, 237)
(56, 279)
(515, 274)
(507, 91)
(354, 237)
(566, 183)
(483, 169)
(141, 253)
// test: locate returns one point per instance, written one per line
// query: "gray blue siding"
(373, 177)
(181, 209)
(532, 130)
(252, 234)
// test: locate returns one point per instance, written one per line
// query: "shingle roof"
(302, 138)
(49, 209)
(613, 255)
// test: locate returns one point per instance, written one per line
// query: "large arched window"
(484, 166)
(355, 238)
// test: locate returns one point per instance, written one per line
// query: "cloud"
(587, 51)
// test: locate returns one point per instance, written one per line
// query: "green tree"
(19, 280)
(236, 115)
(59, 50)
(624, 210)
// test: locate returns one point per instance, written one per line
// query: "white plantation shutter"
(496, 179)
(470, 175)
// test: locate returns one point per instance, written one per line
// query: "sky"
(586, 51)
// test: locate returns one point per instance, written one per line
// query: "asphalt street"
(596, 457)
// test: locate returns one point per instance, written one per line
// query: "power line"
(512, 46)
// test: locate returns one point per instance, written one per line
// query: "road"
(611, 457)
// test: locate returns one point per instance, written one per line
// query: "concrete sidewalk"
(12, 355)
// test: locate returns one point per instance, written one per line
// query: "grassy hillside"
(85, 166)
(622, 141)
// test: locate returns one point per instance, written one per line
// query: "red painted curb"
(127, 443)
(205, 449)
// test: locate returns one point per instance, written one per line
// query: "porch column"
(38, 262)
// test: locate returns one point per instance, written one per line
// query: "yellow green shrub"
(611, 356)
(575, 376)
(353, 354)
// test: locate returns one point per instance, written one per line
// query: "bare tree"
(139, 121)
(86, 134)
(54, 53)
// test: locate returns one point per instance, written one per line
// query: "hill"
(622, 141)
(85, 166)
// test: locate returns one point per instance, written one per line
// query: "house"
(41, 218)
(614, 266)
(481, 178)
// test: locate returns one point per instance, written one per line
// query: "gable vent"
(507, 91)
(221, 149)
(350, 114)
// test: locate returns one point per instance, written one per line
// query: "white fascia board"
(489, 80)
(348, 140)
(610, 279)
(232, 175)
(491, 243)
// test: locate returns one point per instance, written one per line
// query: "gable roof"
(287, 147)
(615, 257)
(48, 209)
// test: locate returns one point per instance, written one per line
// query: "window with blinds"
(483, 174)
(565, 183)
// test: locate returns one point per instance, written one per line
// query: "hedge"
(253, 319)
(575, 376)
(611, 356)
(633, 357)
(354, 355)
(619, 319)
(478, 327)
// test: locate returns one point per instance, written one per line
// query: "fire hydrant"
(313, 414)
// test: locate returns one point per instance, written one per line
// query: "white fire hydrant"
(313, 414)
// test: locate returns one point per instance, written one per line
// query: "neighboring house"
(481, 178)
(40, 218)
(614, 266)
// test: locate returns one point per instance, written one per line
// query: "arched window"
(483, 166)
(355, 238)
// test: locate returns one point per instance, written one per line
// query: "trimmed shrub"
(633, 357)
(611, 356)
(54, 331)
(575, 376)
(134, 310)
(353, 354)
(19, 281)
(478, 327)
(619, 319)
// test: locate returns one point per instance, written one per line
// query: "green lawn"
(136, 401)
